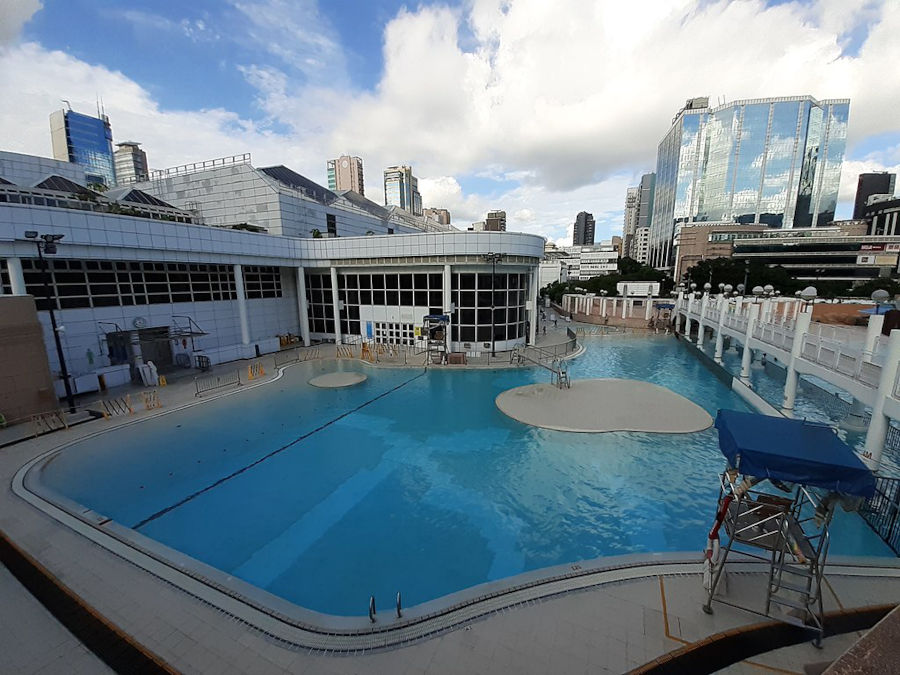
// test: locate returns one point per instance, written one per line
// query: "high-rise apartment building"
(869, 184)
(774, 161)
(401, 189)
(638, 212)
(495, 221)
(640, 246)
(583, 234)
(440, 215)
(131, 163)
(346, 173)
(84, 140)
(632, 207)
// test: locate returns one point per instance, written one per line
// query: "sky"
(542, 109)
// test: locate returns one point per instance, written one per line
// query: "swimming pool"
(411, 482)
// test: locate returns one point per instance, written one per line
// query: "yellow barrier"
(255, 370)
(151, 400)
(162, 381)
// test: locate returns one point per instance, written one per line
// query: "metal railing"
(210, 382)
(881, 511)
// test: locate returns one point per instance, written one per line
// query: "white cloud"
(566, 98)
(13, 15)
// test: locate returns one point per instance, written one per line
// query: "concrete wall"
(26, 387)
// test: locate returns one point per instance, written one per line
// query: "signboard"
(871, 247)
(637, 289)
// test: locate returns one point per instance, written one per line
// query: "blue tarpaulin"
(794, 451)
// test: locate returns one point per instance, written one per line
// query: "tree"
(316, 233)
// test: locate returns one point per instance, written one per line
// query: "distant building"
(834, 253)
(84, 140)
(476, 227)
(773, 161)
(638, 212)
(584, 262)
(869, 184)
(401, 189)
(131, 163)
(616, 242)
(640, 245)
(583, 234)
(883, 217)
(346, 173)
(705, 241)
(495, 221)
(440, 215)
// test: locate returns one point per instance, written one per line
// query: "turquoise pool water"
(410, 482)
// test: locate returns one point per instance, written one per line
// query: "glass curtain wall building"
(401, 189)
(775, 162)
(84, 140)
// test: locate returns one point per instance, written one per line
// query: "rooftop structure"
(84, 140)
(495, 221)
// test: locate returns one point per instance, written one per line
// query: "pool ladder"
(373, 612)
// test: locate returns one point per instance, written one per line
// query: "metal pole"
(70, 399)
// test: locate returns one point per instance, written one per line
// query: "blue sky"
(541, 109)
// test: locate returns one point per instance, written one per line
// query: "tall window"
(331, 221)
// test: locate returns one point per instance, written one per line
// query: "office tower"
(869, 184)
(131, 163)
(774, 161)
(495, 221)
(84, 140)
(645, 207)
(632, 207)
(346, 173)
(583, 234)
(401, 189)
(440, 215)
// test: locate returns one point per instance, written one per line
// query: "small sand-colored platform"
(593, 406)
(337, 380)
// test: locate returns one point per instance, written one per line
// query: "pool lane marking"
(262, 459)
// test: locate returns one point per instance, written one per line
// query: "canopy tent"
(794, 451)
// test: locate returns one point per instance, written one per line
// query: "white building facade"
(132, 287)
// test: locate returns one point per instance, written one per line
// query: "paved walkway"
(33, 641)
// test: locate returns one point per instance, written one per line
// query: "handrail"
(881, 511)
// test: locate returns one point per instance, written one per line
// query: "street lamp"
(758, 292)
(493, 258)
(746, 272)
(880, 297)
(808, 294)
(46, 243)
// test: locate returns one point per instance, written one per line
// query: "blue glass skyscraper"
(84, 140)
(773, 161)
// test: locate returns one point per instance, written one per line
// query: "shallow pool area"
(410, 481)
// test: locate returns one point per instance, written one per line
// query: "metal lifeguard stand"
(776, 500)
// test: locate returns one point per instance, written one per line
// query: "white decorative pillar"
(614, 302)
(302, 305)
(747, 355)
(336, 306)
(790, 382)
(649, 307)
(625, 304)
(603, 306)
(687, 317)
(679, 304)
(16, 278)
(873, 333)
(702, 323)
(242, 304)
(720, 333)
(878, 426)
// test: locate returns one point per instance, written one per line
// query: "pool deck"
(597, 621)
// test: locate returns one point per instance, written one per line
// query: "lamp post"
(46, 243)
(493, 258)
(880, 297)
(808, 294)
(746, 271)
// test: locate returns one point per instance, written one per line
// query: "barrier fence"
(211, 382)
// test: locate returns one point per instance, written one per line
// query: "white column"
(678, 308)
(603, 306)
(873, 332)
(242, 303)
(702, 323)
(790, 382)
(720, 334)
(687, 317)
(532, 291)
(447, 298)
(747, 355)
(649, 307)
(302, 306)
(625, 304)
(16, 278)
(335, 303)
(614, 302)
(878, 426)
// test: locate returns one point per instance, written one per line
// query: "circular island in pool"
(337, 380)
(609, 404)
